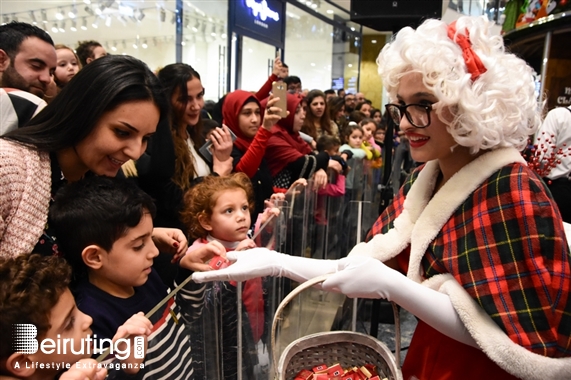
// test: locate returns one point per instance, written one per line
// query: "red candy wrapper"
(304, 374)
(335, 370)
(372, 369)
(320, 368)
(218, 262)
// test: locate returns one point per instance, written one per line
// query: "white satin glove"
(365, 277)
(262, 262)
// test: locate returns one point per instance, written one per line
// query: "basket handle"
(309, 283)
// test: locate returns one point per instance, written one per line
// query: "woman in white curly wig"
(472, 244)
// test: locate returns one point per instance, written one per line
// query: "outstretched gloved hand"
(365, 277)
(262, 262)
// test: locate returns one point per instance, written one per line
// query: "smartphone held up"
(279, 90)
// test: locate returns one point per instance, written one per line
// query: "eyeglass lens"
(417, 114)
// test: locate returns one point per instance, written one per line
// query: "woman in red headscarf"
(241, 112)
(288, 156)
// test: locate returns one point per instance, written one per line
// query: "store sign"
(564, 99)
(261, 19)
(261, 10)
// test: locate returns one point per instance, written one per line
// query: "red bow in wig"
(473, 63)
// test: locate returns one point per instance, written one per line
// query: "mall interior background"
(320, 43)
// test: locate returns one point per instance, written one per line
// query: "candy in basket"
(347, 349)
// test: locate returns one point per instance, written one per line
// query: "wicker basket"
(344, 347)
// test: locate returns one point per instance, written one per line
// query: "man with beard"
(350, 103)
(27, 62)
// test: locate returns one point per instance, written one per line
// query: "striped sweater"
(168, 354)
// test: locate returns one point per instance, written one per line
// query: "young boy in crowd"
(34, 291)
(104, 226)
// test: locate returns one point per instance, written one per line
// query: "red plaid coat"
(506, 246)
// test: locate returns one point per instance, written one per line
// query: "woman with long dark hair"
(317, 121)
(336, 110)
(94, 126)
(183, 87)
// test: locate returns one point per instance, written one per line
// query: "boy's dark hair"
(284, 65)
(327, 142)
(96, 210)
(329, 92)
(292, 79)
(85, 50)
(13, 34)
(357, 116)
(30, 286)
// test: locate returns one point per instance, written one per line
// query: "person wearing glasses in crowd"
(473, 244)
(350, 103)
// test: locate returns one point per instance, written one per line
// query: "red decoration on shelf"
(544, 155)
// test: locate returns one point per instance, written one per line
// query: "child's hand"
(268, 213)
(137, 325)
(170, 240)
(298, 182)
(195, 259)
(274, 200)
(295, 187)
(85, 369)
(245, 244)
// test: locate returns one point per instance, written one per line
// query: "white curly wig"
(498, 109)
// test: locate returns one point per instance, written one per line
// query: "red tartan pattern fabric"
(506, 246)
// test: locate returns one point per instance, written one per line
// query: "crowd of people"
(114, 191)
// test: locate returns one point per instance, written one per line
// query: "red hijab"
(285, 146)
(231, 108)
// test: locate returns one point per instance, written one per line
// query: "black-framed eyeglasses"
(417, 114)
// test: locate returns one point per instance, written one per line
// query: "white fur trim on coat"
(431, 215)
